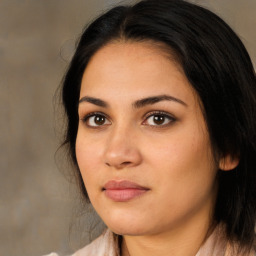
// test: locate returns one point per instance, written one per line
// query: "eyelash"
(93, 114)
(147, 116)
(162, 114)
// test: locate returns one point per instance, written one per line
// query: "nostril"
(126, 163)
(119, 165)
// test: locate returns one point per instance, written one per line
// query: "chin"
(130, 226)
(127, 230)
(126, 225)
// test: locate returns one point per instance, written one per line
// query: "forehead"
(132, 68)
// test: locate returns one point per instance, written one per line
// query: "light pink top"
(107, 245)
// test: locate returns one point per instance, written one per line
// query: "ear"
(228, 163)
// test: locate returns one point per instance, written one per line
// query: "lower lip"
(123, 195)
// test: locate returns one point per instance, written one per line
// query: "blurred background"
(40, 210)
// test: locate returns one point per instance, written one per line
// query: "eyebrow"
(95, 101)
(154, 99)
(137, 104)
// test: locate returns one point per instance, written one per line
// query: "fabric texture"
(107, 245)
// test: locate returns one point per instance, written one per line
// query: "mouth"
(122, 191)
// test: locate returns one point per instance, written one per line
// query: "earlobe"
(228, 163)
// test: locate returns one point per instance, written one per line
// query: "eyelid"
(87, 116)
(93, 114)
(159, 112)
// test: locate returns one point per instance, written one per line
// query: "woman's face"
(142, 145)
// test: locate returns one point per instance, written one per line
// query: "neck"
(184, 239)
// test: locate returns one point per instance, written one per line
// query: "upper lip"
(123, 184)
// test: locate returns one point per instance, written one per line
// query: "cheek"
(185, 150)
(88, 162)
(183, 166)
(88, 158)
(184, 181)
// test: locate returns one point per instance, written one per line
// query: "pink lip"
(121, 191)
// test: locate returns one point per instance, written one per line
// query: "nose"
(121, 150)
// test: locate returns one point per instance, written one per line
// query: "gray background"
(39, 207)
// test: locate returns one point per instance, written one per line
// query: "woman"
(161, 103)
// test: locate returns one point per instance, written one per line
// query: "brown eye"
(97, 120)
(159, 120)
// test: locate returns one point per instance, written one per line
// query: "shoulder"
(217, 244)
(106, 244)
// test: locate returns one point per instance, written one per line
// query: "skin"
(173, 159)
